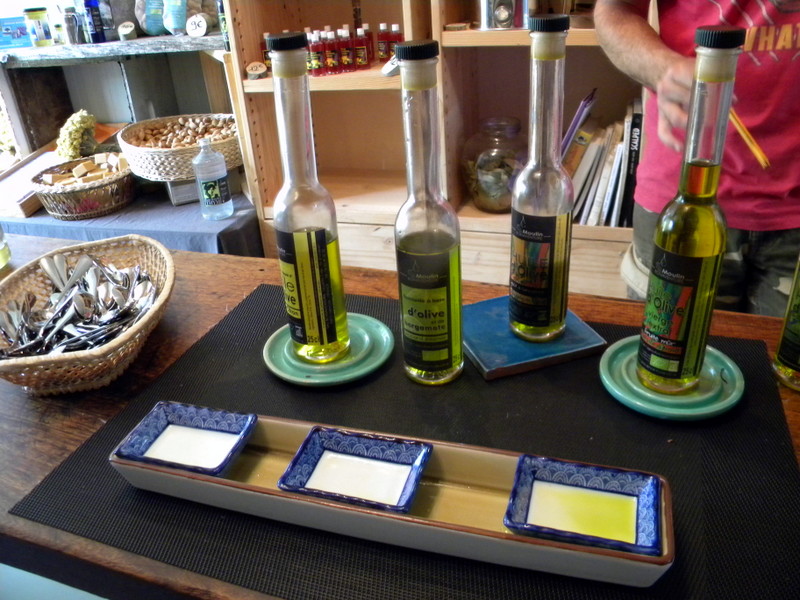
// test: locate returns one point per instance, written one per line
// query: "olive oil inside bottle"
(430, 297)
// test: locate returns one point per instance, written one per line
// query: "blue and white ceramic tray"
(184, 436)
(586, 504)
(458, 507)
(361, 468)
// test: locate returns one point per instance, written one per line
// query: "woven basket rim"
(13, 364)
(44, 188)
(128, 129)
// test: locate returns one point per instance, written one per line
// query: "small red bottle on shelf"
(383, 42)
(332, 64)
(370, 43)
(316, 56)
(395, 37)
(360, 51)
(347, 55)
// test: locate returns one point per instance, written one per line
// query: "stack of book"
(602, 162)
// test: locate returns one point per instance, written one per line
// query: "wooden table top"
(37, 434)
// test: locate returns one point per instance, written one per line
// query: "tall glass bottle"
(690, 233)
(542, 198)
(427, 236)
(787, 360)
(305, 216)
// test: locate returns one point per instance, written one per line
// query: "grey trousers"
(757, 269)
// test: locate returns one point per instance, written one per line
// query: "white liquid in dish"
(359, 477)
(582, 510)
(191, 446)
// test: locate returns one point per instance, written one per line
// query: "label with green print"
(430, 302)
(680, 300)
(215, 191)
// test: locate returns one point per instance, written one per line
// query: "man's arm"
(636, 49)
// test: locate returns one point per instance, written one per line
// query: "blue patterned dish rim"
(645, 487)
(137, 442)
(367, 445)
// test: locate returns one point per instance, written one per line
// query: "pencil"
(749, 140)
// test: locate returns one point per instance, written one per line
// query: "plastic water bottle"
(212, 183)
(5, 251)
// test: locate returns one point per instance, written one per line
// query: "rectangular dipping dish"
(458, 508)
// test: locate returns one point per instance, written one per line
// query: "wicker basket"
(89, 369)
(83, 200)
(172, 164)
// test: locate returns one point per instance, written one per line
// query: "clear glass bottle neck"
(709, 107)
(546, 106)
(421, 124)
(295, 130)
(712, 91)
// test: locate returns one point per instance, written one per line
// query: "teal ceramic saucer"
(371, 343)
(720, 388)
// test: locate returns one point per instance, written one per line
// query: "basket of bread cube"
(162, 149)
(85, 188)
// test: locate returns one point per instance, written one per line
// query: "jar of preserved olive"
(491, 160)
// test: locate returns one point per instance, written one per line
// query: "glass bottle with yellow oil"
(304, 216)
(427, 235)
(786, 363)
(690, 234)
(542, 198)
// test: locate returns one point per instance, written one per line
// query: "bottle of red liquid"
(316, 56)
(395, 37)
(347, 54)
(332, 64)
(383, 42)
(370, 43)
(360, 51)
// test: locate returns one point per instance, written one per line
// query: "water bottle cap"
(549, 23)
(293, 40)
(719, 36)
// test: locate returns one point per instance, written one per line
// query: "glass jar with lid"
(491, 160)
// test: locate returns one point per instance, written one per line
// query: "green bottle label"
(789, 346)
(539, 268)
(430, 304)
(677, 314)
(215, 191)
(307, 288)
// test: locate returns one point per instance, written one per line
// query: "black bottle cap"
(293, 40)
(417, 50)
(719, 36)
(549, 23)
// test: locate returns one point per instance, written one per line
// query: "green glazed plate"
(371, 343)
(720, 388)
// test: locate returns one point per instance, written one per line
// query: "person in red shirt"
(761, 204)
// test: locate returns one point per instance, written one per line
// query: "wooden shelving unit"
(359, 136)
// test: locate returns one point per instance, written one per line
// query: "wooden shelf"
(474, 38)
(364, 80)
(58, 56)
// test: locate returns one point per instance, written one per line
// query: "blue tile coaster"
(497, 352)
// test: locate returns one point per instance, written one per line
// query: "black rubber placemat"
(735, 480)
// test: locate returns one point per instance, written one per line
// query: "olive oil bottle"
(427, 237)
(304, 216)
(542, 198)
(690, 235)
(787, 359)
